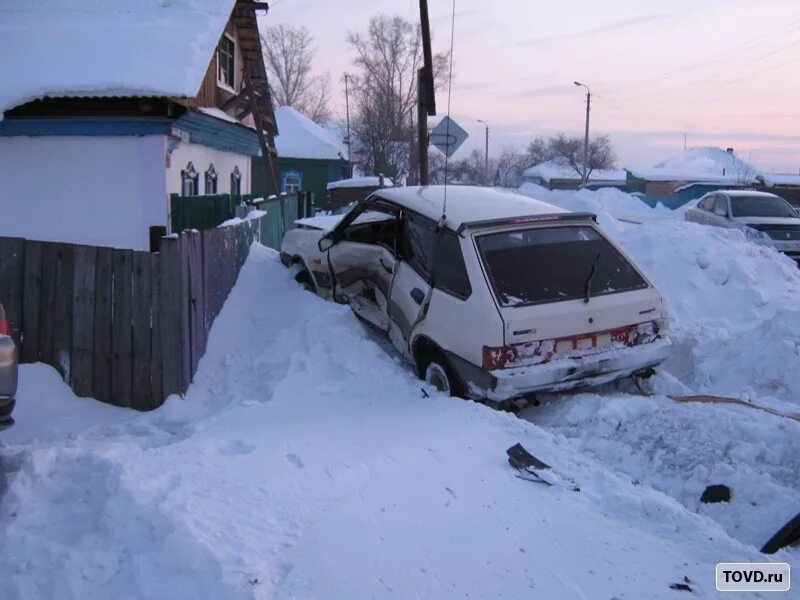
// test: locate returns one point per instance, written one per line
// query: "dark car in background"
(8, 371)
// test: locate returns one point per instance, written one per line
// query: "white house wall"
(105, 190)
(202, 157)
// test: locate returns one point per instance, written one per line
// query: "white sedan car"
(764, 218)
(495, 297)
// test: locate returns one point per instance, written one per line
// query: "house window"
(226, 59)
(211, 180)
(236, 182)
(189, 180)
(292, 181)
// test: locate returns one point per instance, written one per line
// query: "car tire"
(303, 277)
(436, 371)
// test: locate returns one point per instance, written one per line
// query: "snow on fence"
(123, 326)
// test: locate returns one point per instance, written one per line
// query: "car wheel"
(439, 374)
(303, 277)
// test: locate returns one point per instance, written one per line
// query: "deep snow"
(305, 462)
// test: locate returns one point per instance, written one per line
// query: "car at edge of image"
(502, 297)
(8, 372)
(765, 219)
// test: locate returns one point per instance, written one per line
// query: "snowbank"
(306, 462)
(680, 449)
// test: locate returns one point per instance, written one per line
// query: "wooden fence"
(123, 326)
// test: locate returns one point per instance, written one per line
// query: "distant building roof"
(773, 179)
(106, 49)
(299, 137)
(701, 165)
(547, 171)
(359, 182)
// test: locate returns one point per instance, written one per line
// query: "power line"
(721, 56)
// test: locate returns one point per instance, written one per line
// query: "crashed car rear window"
(534, 266)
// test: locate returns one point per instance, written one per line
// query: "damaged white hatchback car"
(494, 296)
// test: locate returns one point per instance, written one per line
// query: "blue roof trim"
(217, 133)
(84, 126)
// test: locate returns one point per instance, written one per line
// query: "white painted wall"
(104, 191)
(202, 157)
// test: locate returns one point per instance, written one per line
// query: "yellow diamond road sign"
(448, 136)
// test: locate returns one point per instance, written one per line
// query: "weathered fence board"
(128, 328)
(140, 330)
(121, 322)
(32, 301)
(156, 361)
(172, 348)
(81, 363)
(47, 308)
(197, 323)
(104, 279)
(62, 326)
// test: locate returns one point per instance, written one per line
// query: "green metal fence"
(207, 212)
(282, 212)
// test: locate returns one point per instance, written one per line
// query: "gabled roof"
(106, 49)
(552, 169)
(701, 165)
(299, 137)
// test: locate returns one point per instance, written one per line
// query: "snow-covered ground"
(306, 462)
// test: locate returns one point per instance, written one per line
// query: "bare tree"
(384, 93)
(468, 170)
(288, 54)
(568, 151)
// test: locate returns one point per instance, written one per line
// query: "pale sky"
(725, 72)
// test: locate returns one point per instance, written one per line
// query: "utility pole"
(347, 109)
(586, 137)
(684, 141)
(426, 98)
(486, 153)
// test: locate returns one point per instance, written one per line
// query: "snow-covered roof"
(467, 203)
(100, 49)
(299, 137)
(701, 165)
(553, 169)
(771, 179)
(359, 182)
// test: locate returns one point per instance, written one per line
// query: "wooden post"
(422, 128)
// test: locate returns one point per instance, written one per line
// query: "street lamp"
(586, 137)
(486, 152)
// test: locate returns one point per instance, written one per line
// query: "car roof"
(466, 203)
(739, 193)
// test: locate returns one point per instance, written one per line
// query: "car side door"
(720, 212)
(701, 212)
(363, 258)
(411, 287)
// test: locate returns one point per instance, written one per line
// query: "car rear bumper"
(562, 374)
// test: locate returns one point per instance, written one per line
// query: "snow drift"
(306, 462)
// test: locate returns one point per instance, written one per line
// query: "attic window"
(236, 182)
(226, 59)
(189, 181)
(211, 180)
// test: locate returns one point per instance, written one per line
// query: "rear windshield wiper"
(587, 289)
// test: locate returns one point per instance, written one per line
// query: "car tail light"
(543, 351)
(5, 326)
